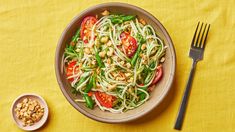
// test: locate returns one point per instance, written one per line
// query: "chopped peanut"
(104, 39)
(19, 105)
(93, 62)
(127, 74)
(143, 46)
(109, 60)
(102, 54)
(109, 43)
(128, 65)
(120, 78)
(98, 70)
(142, 21)
(97, 43)
(29, 112)
(162, 59)
(105, 13)
(122, 62)
(25, 100)
(112, 87)
(110, 52)
(87, 51)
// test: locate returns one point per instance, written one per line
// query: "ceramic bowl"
(158, 93)
(38, 124)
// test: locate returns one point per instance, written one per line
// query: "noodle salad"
(114, 62)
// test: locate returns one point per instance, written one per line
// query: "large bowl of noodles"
(160, 89)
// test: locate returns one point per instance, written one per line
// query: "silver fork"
(196, 53)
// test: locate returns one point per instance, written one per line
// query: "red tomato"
(105, 99)
(129, 44)
(158, 75)
(86, 27)
(70, 69)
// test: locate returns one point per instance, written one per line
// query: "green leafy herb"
(89, 101)
(69, 51)
(140, 41)
(99, 61)
(117, 19)
(90, 84)
(75, 37)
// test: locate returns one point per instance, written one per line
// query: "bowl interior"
(38, 124)
(158, 93)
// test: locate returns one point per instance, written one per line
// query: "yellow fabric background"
(29, 31)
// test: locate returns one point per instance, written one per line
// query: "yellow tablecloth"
(29, 31)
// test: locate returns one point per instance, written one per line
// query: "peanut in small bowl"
(29, 111)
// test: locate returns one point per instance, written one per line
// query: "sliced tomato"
(70, 69)
(129, 44)
(86, 28)
(158, 75)
(105, 99)
(124, 35)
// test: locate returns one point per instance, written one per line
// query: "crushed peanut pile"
(29, 111)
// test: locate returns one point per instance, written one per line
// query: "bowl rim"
(58, 62)
(46, 111)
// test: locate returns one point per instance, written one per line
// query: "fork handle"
(180, 117)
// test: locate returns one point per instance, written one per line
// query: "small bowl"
(41, 101)
(156, 96)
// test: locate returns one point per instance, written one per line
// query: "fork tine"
(202, 36)
(194, 36)
(203, 46)
(198, 36)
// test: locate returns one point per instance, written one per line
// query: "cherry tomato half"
(70, 69)
(129, 44)
(105, 99)
(86, 28)
(158, 75)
